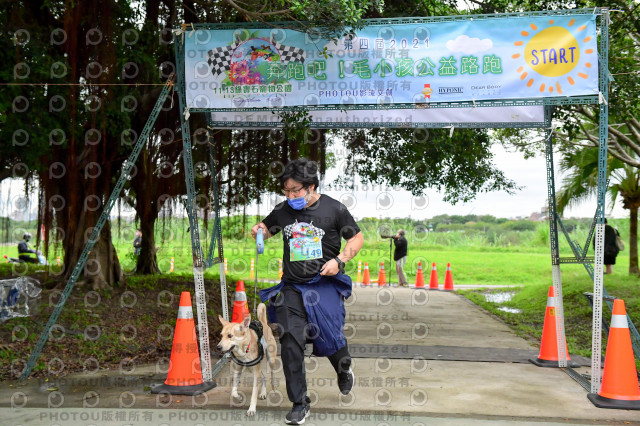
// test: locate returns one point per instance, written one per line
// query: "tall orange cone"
(433, 281)
(366, 280)
(382, 276)
(448, 279)
(185, 375)
(419, 277)
(549, 345)
(619, 378)
(240, 306)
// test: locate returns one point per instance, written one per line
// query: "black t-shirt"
(311, 236)
(401, 248)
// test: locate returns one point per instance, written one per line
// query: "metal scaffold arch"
(424, 112)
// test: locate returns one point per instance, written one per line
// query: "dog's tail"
(272, 348)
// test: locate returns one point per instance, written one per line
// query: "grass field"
(531, 301)
(506, 255)
(511, 258)
(514, 253)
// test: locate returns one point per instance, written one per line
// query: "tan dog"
(242, 342)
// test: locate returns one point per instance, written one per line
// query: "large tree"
(75, 123)
(458, 164)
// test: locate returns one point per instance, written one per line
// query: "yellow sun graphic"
(553, 53)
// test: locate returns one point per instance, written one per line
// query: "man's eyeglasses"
(292, 191)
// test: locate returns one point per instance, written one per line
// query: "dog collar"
(255, 326)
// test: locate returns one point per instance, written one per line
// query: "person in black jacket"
(313, 226)
(24, 249)
(400, 256)
(610, 247)
(137, 242)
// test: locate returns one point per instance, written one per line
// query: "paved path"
(420, 358)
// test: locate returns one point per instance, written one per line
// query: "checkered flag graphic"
(289, 53)
(317, 232)
(220, 58)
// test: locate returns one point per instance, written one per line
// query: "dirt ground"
(130, 324)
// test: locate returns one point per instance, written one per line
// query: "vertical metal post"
(218, 229)
(603, 70)
(553, 241)
(198, 266)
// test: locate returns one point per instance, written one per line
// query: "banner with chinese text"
(408, 63)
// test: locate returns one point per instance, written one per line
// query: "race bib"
(305, 248)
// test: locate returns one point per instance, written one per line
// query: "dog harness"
(255, 326)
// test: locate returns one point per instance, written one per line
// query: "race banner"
(466, 59)
(524, 116)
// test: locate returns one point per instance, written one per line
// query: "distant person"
(610, 247)
(24, 250)
(400, 256)
(137, 243)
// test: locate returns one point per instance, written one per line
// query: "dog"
(242, 342)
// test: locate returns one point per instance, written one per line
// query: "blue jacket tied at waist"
(323, 299)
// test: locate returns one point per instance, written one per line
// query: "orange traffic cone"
(382, 276)
(184, 376)
(366, 280)
(448, 279)
(549, 345)
(433, 281)
(619, 378)
(240, 306)
(419, 277)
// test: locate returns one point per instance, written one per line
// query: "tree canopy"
(83, 79)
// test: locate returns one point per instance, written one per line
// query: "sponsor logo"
(489, 89)
(449, 90)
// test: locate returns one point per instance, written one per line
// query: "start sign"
(414, 61)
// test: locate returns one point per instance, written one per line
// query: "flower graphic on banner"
(551, 54)
(243, 72)
(253, 60)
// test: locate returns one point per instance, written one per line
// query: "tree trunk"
(147, 260)
(146, 184)
(633, 241)
(102, 268)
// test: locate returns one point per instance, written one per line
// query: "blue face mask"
(297, 203)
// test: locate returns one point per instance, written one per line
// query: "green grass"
(470, 264)
(505, 255)
(532, 299)
(513, 253)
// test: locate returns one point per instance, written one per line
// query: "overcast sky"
(387, 203)
(529, 174)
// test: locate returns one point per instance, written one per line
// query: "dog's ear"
(246, 321)
(222, 320)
